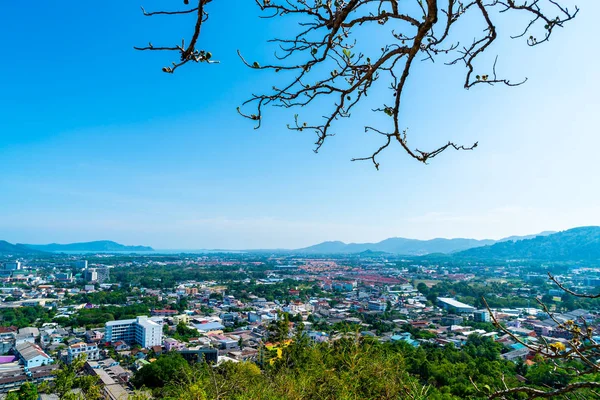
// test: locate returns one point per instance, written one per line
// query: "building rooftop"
(29, 351)
(142, 320)
(146, 323)
(209, 326)
(120, 322)
(454, 303)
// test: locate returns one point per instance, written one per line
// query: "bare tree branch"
(187, 53)
(330, 66)
(560, 285)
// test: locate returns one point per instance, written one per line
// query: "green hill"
(396, 246)
(409, 247)
(16, 249)
(577, 244)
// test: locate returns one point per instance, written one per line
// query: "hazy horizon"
(198, 248)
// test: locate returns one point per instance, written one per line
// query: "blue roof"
(401, 336)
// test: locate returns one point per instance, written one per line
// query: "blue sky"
(97, 143)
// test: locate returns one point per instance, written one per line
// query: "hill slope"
(16, 249)
(515, 238)
(577, 244)
(102, 245)
(409, 247)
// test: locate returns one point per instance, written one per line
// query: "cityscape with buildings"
(299, 200)
(119, 313)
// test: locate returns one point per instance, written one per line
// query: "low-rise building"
(200, 355)
(89, 349)
(481, 316)
(377, 306)
(516, 354)
(164, 313)
(173, 345)
(182, 318)
(112, 378)
(450, 320)
(454, 305)
(14, 375)
(209, 326)
(8, 333)
(32, 355)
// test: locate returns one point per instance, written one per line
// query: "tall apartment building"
(12, 266)
(103, 274)
(146, 332)
(64, 276)
(90, 275)
(81, 264)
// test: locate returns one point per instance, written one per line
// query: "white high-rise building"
(146, 332)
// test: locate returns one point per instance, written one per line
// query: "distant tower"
(81, 264)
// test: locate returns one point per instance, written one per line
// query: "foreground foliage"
(350, 368)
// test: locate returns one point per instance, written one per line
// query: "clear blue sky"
(97, 143)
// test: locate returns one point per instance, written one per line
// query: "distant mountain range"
(16, 249)
(577, 244)
(409, 247)
(101, 245)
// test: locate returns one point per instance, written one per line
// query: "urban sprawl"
(121, 312)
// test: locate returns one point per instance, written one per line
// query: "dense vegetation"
(27, 391)
(348, 368)
(578, 244)
(159, 276)
(25, 316)
(93, 317)
(278, 291)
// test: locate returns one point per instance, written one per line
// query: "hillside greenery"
(577, 244)
(349, 368)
